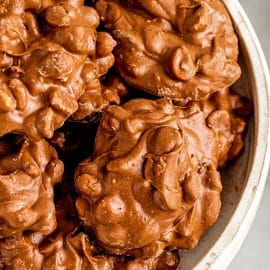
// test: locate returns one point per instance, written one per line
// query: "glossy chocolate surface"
(51, 61)
(153, 181)
(27, 178)
(90, 181)
(182, 49)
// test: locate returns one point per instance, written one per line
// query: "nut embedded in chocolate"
(21, 252)
(98, 96)
(69, 249)
(27, 179)
(153, 182)
(227, 113)
(44, 72)
(182, 49)
(74, 252)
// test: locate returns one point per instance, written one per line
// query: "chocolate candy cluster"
(115, 119)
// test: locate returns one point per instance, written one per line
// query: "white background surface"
(255, 252)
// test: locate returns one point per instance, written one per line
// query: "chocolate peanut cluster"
(154, 190)
(27, 178)
(69, 249)
(71, 252)
(182, 49)
(116, 117)
(47, 71)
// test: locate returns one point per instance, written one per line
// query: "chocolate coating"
(45, 72)
(27, 179)
(182, 49)
(98, 96)
(70, 250)
(153, 182)
(227, 113)
(166, 261)
(71, 253)
(21, 253)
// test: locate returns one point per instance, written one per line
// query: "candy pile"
(115, 119)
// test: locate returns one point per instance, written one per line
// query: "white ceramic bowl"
(243, 181)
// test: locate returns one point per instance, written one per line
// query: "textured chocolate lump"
(45, 71)
(69, 249)
(27, 178)
(152, 178)
(182, 49)
(142, 172)
(71, 252)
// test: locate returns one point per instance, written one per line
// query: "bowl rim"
(226, 247)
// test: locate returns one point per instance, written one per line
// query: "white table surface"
(255, 252)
